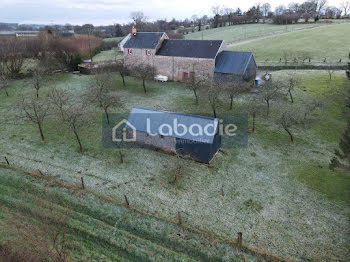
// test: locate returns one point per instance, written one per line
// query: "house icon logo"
(122, 124)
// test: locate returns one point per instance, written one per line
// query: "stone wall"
(172, 67)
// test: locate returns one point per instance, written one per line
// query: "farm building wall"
(138, 56)
(200, 151)
(173, 67)
(163, 142)
(250, 73)
(221, 77)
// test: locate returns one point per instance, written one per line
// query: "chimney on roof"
(133, 31)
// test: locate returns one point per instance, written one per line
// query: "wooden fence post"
(82, 183)
(179, 218)
(7, 161)
(239, 239)
(127, 201)
(121, 157)
(222, 191)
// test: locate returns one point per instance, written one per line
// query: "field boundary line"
(207, 235)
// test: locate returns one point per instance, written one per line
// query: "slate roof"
(232, 62)
(138, 119)
(144, 40)
(190, 48)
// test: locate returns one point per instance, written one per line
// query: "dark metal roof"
(139, 115)
(190, 48)
(144, 40)
(231, 62)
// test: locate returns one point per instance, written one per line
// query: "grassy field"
(113, 38)
(316, 41)
(241, 32)
(101, 230)
(107, 56)
(282, 197)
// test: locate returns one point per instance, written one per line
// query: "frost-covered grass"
(107, 55)
(282, 197)
(241, 32)
(102, 231)
(329, 42)
(119, 38)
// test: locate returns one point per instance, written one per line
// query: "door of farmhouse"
(184, 76)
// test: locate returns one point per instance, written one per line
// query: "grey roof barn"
(190, 48)
(182, 59)
(231, 63)
(189, 135)
(144, 40)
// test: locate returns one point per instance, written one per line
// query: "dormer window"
(129, 51)
(148, 52)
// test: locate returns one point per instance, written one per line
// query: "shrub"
(334, 163)
(108, 45)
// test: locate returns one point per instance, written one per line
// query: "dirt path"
(252, 39)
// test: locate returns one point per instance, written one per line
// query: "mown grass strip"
(208, 235)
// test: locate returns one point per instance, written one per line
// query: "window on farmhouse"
(129, 51)
(148, 52)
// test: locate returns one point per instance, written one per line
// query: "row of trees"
(50, 51)
(222, 16)
(344, 145)
(281, 15)
(71, 112)
(288, 115)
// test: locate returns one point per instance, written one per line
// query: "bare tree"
(216, 9)
(37, 80)
(139, 19)
(59, 99)
(320, 6)
(288, 118)
(266, 8)
(286, 55)
(254, 108)
(330, 71)
(145, 72)
(12, 51)
(212, 91)
(290, 85)
(309, 106)
(271, 91)
(123, 70)
(346, 7)
(177, 168)
(228, 13)
(88, 29)
(233, 87)
(35, 111)
(101, 94)
(4, 81)
(195, 84)
(291, 117)
(71, 113)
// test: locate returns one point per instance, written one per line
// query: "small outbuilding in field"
(188, 135)
(231, 65)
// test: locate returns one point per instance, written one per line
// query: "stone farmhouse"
(180, 59)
